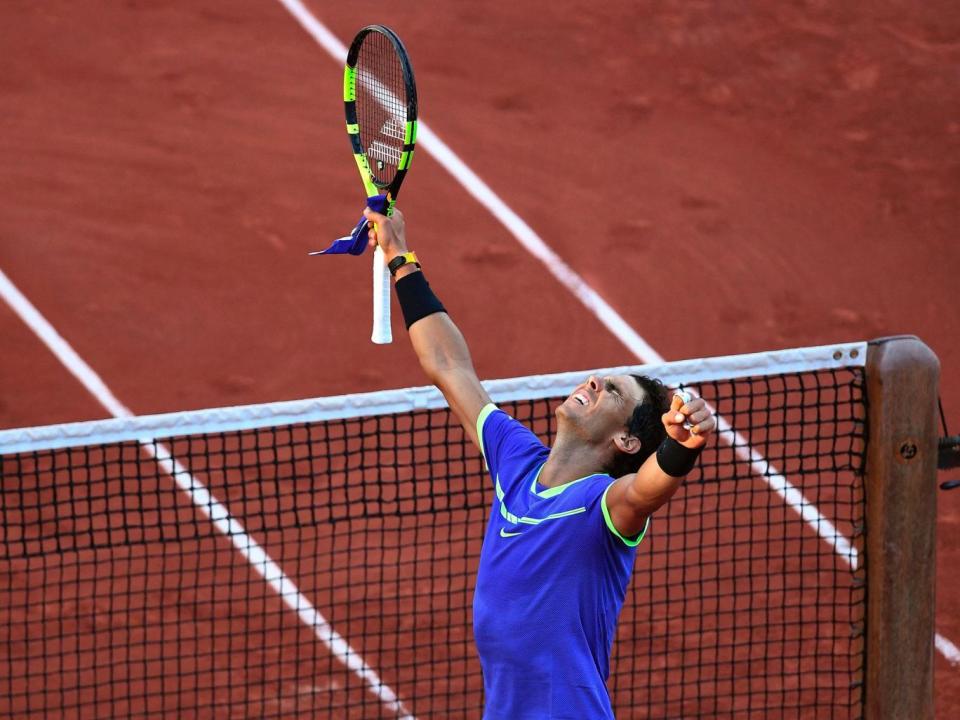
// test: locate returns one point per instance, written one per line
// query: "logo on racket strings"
(393, 128)
(383, 154)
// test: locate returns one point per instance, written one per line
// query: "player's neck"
(570, 459)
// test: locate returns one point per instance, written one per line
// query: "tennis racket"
(380, 100)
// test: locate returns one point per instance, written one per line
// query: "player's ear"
(627, 443)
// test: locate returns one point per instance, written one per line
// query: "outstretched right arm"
(438, 343)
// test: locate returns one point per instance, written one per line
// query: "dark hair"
(645, 424)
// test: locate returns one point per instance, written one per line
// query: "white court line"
(218, 514)
(602, 310)
(950, 651)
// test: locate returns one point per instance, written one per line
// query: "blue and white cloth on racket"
(356, 242)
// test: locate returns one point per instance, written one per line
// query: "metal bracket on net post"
(948, 457)
(948, 452)
(901, 490)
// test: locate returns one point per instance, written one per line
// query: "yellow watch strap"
(400, 260)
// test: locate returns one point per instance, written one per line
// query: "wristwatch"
(400, 260)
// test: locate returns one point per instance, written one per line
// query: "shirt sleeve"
(503, 439)
(628, 541)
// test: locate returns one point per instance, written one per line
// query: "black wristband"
(675, 459)
(416, 298)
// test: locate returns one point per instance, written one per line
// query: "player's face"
(602, 405)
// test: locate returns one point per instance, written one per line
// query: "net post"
(902, 378)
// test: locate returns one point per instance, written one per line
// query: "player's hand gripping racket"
(380, 99)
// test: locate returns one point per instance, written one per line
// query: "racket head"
(380, 103)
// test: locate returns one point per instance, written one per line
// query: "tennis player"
(566, 520)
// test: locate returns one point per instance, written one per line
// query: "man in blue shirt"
(565, 521)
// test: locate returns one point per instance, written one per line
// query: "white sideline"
(950, 651)
(258, 558)
(602, 310)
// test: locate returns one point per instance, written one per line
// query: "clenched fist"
(689, 421)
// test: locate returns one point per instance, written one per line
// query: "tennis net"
(318, 557)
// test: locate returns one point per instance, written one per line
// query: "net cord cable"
(385, 402)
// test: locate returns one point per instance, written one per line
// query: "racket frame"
(381, 334)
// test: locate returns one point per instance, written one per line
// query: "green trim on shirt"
(556, 489)
(516, 520)
(610, 526)
(481, 419)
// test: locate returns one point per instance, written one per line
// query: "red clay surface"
(736, 179)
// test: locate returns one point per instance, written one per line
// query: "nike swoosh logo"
(503, 533)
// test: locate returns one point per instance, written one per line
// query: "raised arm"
(439, 344)
(633, 498)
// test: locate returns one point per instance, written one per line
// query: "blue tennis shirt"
(552, 579)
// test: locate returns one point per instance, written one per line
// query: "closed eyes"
(611, 388)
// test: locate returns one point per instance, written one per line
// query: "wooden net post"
(901, 475)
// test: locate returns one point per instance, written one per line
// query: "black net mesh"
(125, 591)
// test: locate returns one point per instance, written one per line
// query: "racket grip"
(382, 334)
(685, 396)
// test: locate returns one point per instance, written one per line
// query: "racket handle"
(381, 300)
(685, 397)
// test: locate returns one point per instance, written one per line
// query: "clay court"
(729, 179)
